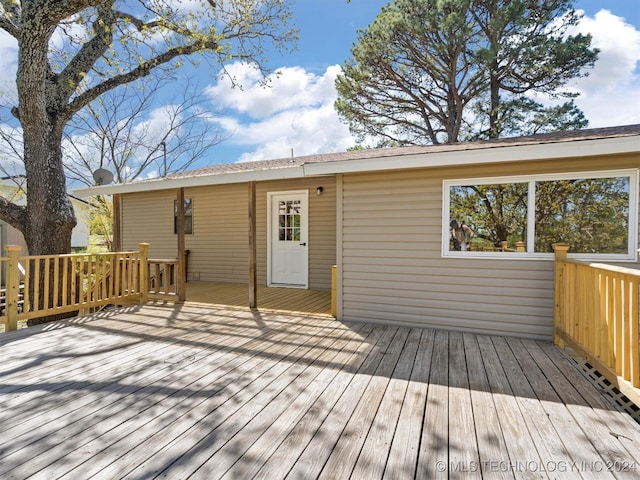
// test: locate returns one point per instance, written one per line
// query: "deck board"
(358, 429)
(288, 452)
(403, 456)
(491, 443)
(203, 391)
(292, 300)
(433, 458)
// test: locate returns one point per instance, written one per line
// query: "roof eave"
(489, 154)
(197, 181)
(497, 154)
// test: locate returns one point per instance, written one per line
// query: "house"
(387, 218)
(13, 188)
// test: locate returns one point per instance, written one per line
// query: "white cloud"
(290, 87)
(305, 131)
(294, 112)
(8, 64)
(610, 95)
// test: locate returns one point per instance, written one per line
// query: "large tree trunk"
(48, 222)
(49, 217)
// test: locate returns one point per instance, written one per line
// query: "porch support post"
(181, 278)
(253, 277)
(117, 224)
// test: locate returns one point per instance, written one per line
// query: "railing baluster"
(56, 282)
(46, 281)
(26, 290)
(119, 272)
(64, 300)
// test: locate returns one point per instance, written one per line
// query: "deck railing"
(47, 285)
(596, 314)
(163, 278)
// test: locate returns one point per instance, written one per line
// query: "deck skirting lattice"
(618, 399)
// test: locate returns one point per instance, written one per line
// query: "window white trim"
(632, 239)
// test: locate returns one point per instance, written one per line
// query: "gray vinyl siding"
(218, 246)
(148, 217)
(393, 270)
(218, 250)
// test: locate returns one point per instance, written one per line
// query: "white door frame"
(304, 235)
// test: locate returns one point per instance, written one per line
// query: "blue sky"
(296, 112)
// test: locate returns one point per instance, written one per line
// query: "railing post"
(13, 286)
(144, 272)
(560, 250)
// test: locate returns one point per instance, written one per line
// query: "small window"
(188, 216)
(594, 213)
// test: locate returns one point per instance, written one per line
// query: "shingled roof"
(555, 137)
(488, 151)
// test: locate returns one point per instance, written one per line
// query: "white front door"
(288, 239)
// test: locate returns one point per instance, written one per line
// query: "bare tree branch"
(140, 71)
(14, 215)
(8, 15)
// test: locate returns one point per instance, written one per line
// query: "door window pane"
(289, 220)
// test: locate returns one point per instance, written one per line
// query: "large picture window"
(595, 213)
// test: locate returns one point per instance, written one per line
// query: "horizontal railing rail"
(597, 315)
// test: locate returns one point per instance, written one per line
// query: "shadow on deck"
(292, 300)
(202, 391)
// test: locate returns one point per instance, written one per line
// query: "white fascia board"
(497, 154)
(197, 181)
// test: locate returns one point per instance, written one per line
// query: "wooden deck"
(197, 391)
(292, 300)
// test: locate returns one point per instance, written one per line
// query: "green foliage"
(433, 71)
(101, 222)
(494, 212)
(591, 215)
